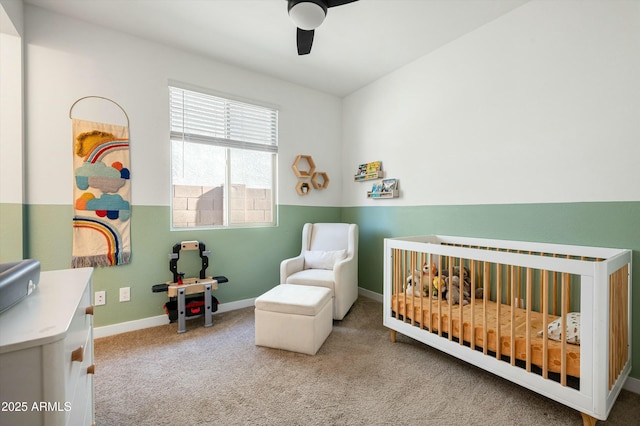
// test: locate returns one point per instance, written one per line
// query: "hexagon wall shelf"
(303, 188)
(299, 163)
(322, 183)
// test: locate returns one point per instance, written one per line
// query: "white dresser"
(46, 353)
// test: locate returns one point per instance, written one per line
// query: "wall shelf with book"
(369, 171)
(388, 188)
(381, 195)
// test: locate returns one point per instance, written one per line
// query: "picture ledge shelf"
(369, 176)
(380, 195)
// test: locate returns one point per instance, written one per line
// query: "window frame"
(228, 145)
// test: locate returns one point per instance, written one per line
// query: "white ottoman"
(296, 318)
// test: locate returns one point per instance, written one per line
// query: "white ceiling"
(357, 43)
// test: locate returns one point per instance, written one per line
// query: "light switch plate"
(125, 294)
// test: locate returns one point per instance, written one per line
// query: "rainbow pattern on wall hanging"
(102, 194)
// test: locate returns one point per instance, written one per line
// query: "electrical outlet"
(125, 294)
(100, 298)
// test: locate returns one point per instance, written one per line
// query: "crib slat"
(472, 268)
(430, 290)
(519, 272)
(461, 316)
(545, 323)
(414, 280)
(612, 329)
(623, 337)
(423, 277)
(396, 281)
(528, 319)
(555, 291)
(449, 316)
(440, 268)
(485, 296)
(513, 320)
(563, 324)
(404, 283)
(621, 334)
(498, 305)
(509, 293)
(420, 314)
(568, 299)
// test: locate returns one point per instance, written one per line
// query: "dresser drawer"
(78, 351)
(82, 398)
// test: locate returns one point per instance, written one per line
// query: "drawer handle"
(91, 369)
(89, 310)
(77, 355)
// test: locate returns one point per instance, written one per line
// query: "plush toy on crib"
(451, 287)
(410, 288)
(414, 290)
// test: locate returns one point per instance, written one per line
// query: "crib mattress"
(496, 323)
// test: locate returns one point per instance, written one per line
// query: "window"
(223, 161)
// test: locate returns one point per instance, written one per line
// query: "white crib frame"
(593, 399)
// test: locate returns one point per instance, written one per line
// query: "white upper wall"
(68, 59)
(11, 124)
(540, 105)
(11, 119)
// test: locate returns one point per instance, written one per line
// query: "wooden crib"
(522, 288)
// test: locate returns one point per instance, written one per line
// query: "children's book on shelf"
(368, 168)
(389, 185)
(376, 187)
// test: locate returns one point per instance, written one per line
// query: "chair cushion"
(294, 299)
(329, 236)
(313, 277)
(322, 259)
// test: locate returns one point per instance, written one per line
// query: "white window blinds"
(204, 118)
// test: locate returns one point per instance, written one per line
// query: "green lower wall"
(594, 224)
(250, 257)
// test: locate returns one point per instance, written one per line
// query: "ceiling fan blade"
(305, 41)
(333, 3)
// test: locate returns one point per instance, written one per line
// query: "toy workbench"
(190, 297)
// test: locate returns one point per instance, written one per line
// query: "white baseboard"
(124, 327)
(632, 385)
(370, 294)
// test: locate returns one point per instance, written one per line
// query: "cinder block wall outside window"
(204, 205)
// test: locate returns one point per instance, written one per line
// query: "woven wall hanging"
(101, 192)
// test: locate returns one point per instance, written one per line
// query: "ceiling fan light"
(307, 15)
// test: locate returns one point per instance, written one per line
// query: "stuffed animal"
(433, 269)
(414, 289)
(456, 272)
(451, 288)
(430, 271)
(411, 288)
(438, 285)
(451, 291)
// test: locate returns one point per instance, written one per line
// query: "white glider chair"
(329, 258)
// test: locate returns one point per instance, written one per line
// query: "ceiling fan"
(308, 15)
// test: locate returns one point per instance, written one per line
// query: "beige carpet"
(217, 376)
